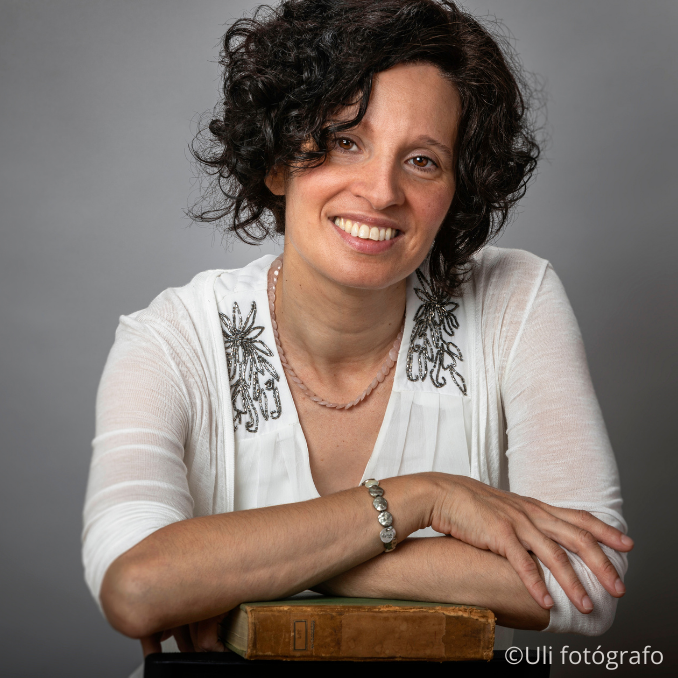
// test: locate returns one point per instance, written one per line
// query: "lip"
(366, 246)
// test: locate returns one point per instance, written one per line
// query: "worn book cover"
(359, 629)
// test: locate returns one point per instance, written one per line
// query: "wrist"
(410, 500)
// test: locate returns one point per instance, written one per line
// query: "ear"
(275, 181)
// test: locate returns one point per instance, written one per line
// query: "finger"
(151, 644)
(584, 543)
(207, 635)
(556, 560)
(204, 635)
(604, 533)
(193, 631)
(586, 546)
(220, 633)
(183, 637)
(528, 571)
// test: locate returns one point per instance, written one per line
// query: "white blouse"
(423, 429)
(504, 396)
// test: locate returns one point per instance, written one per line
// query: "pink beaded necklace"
(381, 375)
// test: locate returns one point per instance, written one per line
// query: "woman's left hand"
(514, 526)
(202, 636)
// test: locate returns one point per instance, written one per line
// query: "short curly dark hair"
(288, 70)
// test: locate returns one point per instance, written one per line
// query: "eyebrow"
(422, 139)
(445, 150)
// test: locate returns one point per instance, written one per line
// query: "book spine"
(336, 633)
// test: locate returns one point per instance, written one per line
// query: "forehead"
(413, 99)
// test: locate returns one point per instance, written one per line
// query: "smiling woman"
(393, 171)
(238, 416)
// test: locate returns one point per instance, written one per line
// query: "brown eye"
(420, 161)
(345, 144)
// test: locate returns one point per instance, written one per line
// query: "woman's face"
(395, 171)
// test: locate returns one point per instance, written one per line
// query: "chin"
(366, 275)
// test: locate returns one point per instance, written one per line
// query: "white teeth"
(358, 230)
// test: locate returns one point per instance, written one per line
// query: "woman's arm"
(198, 568)
(445, 570)
(434, 569)
(558, 448)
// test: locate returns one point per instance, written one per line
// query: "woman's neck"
(333, 334)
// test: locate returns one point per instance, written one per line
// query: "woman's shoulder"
(505, 283)
(183, 322)
(195, 300)
(502, 266)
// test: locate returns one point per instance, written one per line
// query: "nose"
(379, 182)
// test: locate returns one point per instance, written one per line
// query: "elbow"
(124, 599)
(599, 623)
(565, 618)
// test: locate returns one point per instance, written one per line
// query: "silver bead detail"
(387, 534)
(376, 491)
(370, 483)
(380, 504)
(385, 519)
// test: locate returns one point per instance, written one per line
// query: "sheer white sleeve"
(138, 481)
(558, 448)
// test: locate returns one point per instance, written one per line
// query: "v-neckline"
(389, 405)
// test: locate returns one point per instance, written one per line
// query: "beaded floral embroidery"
(434, 317)
(247, 365)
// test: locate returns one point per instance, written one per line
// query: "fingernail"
(548, 601)
(619, 586)
(586, 603)
(627, 541)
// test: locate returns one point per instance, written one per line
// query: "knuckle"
(586, 538)
(560, 556)
(518, 515)
(537, 585)
(505, 528)
(553, 549)
(608, 568)
(200, 640)
(578, 587)
(527, 559)
(532, 509)
(584, 517)
(204, 644)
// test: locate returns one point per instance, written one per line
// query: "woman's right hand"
(511, 526)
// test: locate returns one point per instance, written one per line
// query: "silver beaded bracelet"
(388, 533)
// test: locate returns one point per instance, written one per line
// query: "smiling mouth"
(365, 232)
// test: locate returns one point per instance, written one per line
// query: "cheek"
(432, 206)
(310, 191)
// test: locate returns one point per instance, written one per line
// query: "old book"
(359, 629)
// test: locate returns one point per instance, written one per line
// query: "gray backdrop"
(98, 101)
